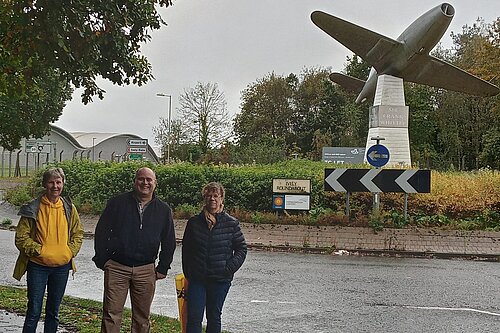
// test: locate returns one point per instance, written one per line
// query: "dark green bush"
(464, 200)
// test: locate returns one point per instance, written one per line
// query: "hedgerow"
(467, 199)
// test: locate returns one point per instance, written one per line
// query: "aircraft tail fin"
(348, 82)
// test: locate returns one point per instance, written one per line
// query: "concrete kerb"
(331, 240)
(338, 240)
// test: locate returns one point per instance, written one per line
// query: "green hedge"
(90, 184)
(473, 197)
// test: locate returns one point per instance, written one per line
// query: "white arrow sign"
(367, 180)
(137, 149)
(402, 181)
(375, 154)
(332, 180)
(137, 142)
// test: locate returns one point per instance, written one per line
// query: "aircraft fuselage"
(419, 38)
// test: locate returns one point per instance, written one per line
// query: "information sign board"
(291, 186)
(137, 149)
(33, 146)
(137, 142)
(135, 157)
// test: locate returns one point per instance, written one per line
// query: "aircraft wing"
(348, 82)
(369, 45)
(429, 70)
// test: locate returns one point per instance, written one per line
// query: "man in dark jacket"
(130, 231)
(213, 249)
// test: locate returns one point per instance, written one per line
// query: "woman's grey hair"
(53, 172)
(213, 187)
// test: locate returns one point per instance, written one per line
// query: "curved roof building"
(60, 145)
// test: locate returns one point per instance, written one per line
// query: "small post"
(376, 195)
(405, 212)
(347, 206)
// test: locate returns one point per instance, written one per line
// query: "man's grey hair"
(53, 172)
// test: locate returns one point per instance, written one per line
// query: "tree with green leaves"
(175, 138)
(205, 118)
(462, 119)
(304, 112)
(48, 47)
(267, 110)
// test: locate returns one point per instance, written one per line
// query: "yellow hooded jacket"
(26, 238)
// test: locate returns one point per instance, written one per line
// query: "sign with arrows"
(137, 142)
(377, 155)
(378, 180)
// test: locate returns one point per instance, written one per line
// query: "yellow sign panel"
(291, 186)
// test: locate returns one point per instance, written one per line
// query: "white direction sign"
(367, 180)
(137, 142)
(332, 180)
(137, 149)
(402, 181)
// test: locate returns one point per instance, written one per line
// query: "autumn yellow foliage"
(459, 194)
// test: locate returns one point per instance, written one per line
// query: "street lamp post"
(93, 149)
(169, 122)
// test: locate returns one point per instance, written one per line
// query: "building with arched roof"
(60, 145)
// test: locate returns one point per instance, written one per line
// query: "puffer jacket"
(25, 239)
(212, 254)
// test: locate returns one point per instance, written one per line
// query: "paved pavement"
(11, 322)
(278, 292)
(340, 240)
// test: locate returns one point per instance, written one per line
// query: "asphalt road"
(283, 292)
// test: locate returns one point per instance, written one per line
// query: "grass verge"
(81, 315)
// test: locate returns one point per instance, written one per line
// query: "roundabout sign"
(378, 155)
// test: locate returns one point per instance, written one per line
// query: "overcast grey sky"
(234, 43)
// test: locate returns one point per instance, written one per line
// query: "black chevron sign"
(378, 180)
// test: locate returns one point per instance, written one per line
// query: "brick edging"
(395, 242)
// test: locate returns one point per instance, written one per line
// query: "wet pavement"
(11, 322)
(293, 292)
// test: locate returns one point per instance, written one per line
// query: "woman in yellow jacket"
(49, 235)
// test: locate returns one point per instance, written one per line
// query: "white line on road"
(285, 302)
(277, 302)
(453, 309)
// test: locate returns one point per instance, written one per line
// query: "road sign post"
(378, 156)
(136, 148)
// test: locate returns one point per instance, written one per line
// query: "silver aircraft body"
(407, 57)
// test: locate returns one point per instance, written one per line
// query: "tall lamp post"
(169, 121)
(93, 149)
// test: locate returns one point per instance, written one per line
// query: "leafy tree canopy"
(47, 47)
(204, 115)
(83, 39)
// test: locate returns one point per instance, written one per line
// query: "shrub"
(6, 222)
(461, 199)
(20, 195)
(185, 211)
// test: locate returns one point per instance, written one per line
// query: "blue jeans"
(209, 295)
(39, 277)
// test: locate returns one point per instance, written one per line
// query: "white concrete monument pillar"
(389, 120)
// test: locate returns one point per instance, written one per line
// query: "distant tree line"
(296, 115)
(47, 50)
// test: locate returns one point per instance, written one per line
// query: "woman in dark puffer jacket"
(213, 249)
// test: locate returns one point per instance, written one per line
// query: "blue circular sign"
(377, 155)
